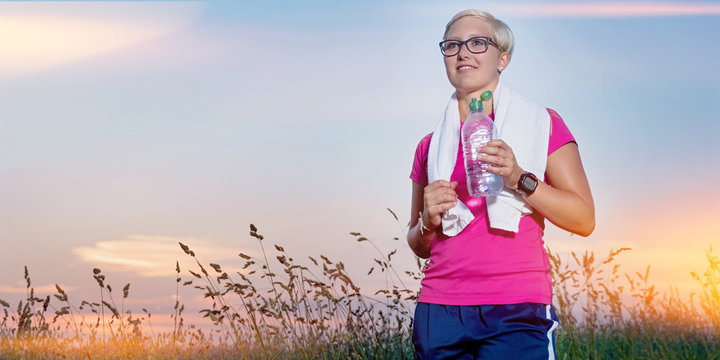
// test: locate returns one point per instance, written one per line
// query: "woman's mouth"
(465, 67)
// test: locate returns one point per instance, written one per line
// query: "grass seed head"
(216, 267)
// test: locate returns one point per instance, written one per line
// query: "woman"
(487, 290)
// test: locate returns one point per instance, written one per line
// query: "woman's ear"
(503, 61)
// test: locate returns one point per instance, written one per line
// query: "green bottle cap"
(486, 95)
(475, 105)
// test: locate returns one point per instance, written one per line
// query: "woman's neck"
(464, 99)
(464, 106)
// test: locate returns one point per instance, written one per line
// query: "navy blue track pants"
(514, 331)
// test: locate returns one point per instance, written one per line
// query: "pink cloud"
(638, 9)
(39, 290)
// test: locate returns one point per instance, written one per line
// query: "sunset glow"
(34, 39)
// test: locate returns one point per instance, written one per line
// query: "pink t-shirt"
(481, 265)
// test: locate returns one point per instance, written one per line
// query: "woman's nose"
(464, 52)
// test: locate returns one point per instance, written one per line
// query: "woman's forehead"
(468, 27)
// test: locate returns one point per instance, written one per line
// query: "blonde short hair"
(501, 33)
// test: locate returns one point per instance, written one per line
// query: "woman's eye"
(477, 42)
(451, 46)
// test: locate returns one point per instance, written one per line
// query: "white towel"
(442, 154)
(523, 125)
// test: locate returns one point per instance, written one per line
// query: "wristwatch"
(527, 184)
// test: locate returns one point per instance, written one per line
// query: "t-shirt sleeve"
(419, 168)
(559, 132)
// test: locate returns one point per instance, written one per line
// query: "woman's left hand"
(498, 153)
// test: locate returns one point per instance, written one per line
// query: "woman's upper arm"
(565, 172)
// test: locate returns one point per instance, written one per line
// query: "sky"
(127, 127)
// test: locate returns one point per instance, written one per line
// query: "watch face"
(529, 183)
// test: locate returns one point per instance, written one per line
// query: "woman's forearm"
(420, 242)
(565, 209)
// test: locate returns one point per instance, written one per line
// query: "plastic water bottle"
(477, 130)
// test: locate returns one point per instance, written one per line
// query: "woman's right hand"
(440, 196)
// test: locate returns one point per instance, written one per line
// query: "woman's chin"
(470, 89)
(466, 87)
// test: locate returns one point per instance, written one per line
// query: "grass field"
(279, 308)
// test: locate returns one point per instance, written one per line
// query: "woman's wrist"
(423, 228)
(514, 178)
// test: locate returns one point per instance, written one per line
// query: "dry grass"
(606, 314)
(283, 309)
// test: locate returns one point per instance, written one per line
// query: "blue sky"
(132, 126)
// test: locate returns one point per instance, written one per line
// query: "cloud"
(612, 9)
(40, 35)
(42, 289)
(154, 256)
(582, 10)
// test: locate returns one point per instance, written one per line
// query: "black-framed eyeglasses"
(476, 45)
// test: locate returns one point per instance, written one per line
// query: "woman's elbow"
(585, 227)
(421, 253)
(418, 250)
(585, 224)
(587, 230)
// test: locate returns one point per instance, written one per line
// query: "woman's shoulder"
(419, 169)
(559, 132)
(556, 122)
(553, 114)
(424, 143)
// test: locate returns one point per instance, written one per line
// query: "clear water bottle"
(477, 130)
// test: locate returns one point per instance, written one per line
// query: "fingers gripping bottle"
(477, 130)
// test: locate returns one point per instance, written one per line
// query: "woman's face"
(468, 72)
